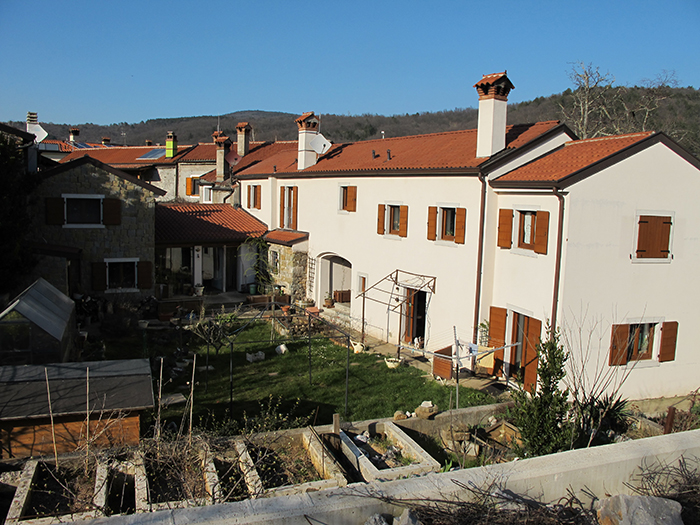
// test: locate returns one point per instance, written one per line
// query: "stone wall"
(134, 237)
(292, 271)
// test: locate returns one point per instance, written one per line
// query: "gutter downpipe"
(557, 269)
(479, 261)
(233, 190)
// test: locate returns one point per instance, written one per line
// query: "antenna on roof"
(218, 123)
(124, 136)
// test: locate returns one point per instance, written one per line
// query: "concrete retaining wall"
(600, 470)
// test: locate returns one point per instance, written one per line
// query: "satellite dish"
(38, 131)
(319, 144)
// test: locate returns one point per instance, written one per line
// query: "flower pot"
(199, 291)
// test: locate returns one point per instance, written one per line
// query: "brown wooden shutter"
(505, 228)
(55, 211)
(380, 219)
(352, 198)
(111, 212)
(460, 225)
(654, 236)
(497, 336)
(295, 208)
(144, 272)
(258, 197)
(189, 185)
(282, 205)
(532, 340)
(541, 232)
(99, 276)
(432, 222)
(403, 221)
(249, 192)
(669, 333)
(618, 345)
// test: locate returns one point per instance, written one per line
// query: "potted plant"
(328, 302)
(198, 289)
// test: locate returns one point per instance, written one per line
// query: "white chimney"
(223, 146)
(308, 130)
(493, 102)
(243, 138)
(74, 134)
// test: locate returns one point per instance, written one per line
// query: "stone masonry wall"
(292, 271)
(133, 237)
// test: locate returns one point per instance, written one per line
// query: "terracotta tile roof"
(571, 158)
(436, 151)
(126, 157)
(205, 223)
(286, 237)
(304, 116)
(490, 79)
(62, 144)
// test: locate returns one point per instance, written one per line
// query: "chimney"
(493, 101)
(223, 146)
(149, 142)
(32, 118)
(308, 130)
(170, 145)
(243, 138)
(74, 134)
(106, 140)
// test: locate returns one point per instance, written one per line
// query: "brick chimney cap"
(243, 125)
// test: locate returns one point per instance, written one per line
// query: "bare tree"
(592, 89)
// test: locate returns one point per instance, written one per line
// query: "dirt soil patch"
(382, 451)
(282, 462)
(63, 490)
(174, 473)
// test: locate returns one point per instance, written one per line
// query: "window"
(289, 199)
(127, 274)
(254, 196)
(82, 211)
(348, 198)
(451, 221)
(635, 342)
(206, 194)
(393, 220)
(533, 230)
(654, 237)
(274, 261)
(192, 186)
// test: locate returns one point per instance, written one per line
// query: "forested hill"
(675, 111)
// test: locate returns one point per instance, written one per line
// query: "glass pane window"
(448, 224)
(394, 219)
(121, 275)
(526, 238)
(83, 211)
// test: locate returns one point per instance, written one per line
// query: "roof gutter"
(480, 259)
(557, 269)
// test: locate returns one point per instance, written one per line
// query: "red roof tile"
(205, 223)
(490, 79)
(62, 144)
(572, 157)
(125, 157)
(286, 237)
(450, 150)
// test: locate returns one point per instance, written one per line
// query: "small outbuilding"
(37, 327)
(40, 404)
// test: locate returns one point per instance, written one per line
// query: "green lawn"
(374, 390)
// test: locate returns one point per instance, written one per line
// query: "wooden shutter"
(432, 222)
(532, 340)
(505, 228)
(189, 185)
(654, 236)
(295, 201)
(257, 197)
(669, 333)
(403, 221)
(55, 209)
(249, 192)
(380, 219)
(99, 276)
(618, 345)
(352, 198)
(541, 232)
(111, 212)
(144, 273)
(460, 225)
(497, 336)
(282, 205)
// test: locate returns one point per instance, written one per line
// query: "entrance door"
(231, 268)
(415, 310)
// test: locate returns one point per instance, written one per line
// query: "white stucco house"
(522, 227)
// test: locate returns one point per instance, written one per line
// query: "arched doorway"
(334, 278)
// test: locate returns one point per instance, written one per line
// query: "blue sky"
(105, 62)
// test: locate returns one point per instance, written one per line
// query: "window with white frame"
(206, 193)
(122, 274)
(446, 223)
(77, 210)
(654, 237)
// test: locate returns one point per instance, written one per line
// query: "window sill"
(393, 236)
(643, 363)
(83, 226)
(524, 252)
(650, 260)
(122, 290)
(441, 242)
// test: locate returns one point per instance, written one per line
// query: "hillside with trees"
(595, 106)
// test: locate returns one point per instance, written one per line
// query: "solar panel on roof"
(153, 154)
(81, 145)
